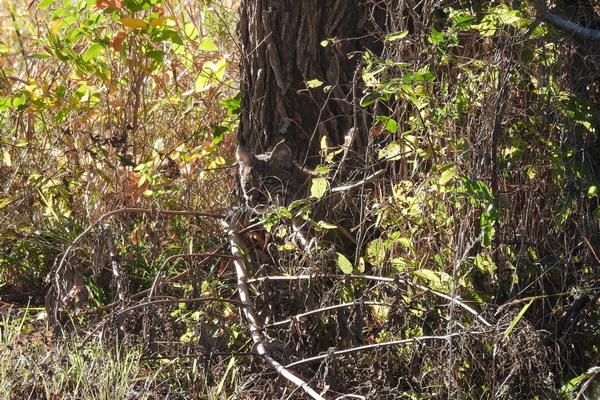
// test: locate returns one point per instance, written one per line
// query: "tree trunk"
(283, 48)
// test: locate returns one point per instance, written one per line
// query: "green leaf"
(391, 37)
(389, 124)
(391, 152)
(314, 83)
(369, 98)
(207, 44)
(376, 252)
(190, 30)
(92, 52)
(319, 187)
(436, 37)
(45, 4)
(436, 280)
(447, 176)
(516, 320)
(210, 73)
(326, 225)
(344, 264)
(592, 192)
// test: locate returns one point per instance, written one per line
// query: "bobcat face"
(270, 178)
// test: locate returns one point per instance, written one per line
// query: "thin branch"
(454, 300)
(253, 322)
(371, 347)
(564, 24)
(297, 317)
(356, 184)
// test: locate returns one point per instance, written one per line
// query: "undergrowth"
(474, 273)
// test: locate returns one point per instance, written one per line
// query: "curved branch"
(374, 346)
(564, 24)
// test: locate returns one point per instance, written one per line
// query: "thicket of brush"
(474, 275)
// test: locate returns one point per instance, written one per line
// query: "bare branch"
(564, 24)
(253, 322)
(297, 317)
(356, 184)
(372, 347)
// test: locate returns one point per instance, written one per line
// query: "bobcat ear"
(281, 155)
(243, 156)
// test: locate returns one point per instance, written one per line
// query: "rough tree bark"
(281, 50)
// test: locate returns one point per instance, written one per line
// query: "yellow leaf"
(55, 25)
(158, 21)
(133, 23)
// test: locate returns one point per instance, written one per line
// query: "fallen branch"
(255, 330)
(564, 24)
(375, 278)
(370, 347)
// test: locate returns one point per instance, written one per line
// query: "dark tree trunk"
(281, 50)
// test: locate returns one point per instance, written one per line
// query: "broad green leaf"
(210, 73)
(322, 169)
(436, 37)
(284, 212)
(592, 191)
(45, 4)
(319, 187)
(437, 280)
(447, 176)
(484, 263)
(344, 264)
(376, 252)
(92, 52)
(369, 98)
(389, 124)
(207, 44)
(391, 152)
(190, 31)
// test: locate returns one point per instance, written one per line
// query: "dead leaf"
(117, 41)
(112, 4)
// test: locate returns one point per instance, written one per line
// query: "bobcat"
(271, 178)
